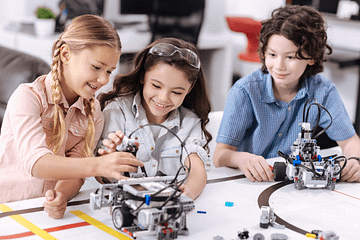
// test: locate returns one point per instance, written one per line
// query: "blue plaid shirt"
(256, 122)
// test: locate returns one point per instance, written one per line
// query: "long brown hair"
(85, 31)
(196, 100)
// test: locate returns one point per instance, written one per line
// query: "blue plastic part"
(201, 212)
(147, 199)
(296, 162)
(229, 204)
(298, 157)
(319, 157)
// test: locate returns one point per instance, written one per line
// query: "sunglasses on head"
(168, 49)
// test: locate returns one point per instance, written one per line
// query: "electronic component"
(304, 165)
(244, 234)
(268, 218)
(145, 206)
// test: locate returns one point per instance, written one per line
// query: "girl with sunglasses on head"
(166, 87)
(52, 125)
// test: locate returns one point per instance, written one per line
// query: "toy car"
(145, 206)
(305, 166)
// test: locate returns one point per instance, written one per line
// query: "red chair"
(251, 28)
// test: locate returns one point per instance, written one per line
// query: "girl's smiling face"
(165, 88)
(282, 63)
(86, 71)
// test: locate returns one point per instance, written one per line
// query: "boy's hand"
(113, 140)
(351, 172)
(55, 204)
(256, 168)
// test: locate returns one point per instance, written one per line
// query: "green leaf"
(44, 13)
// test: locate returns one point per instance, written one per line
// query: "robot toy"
(304, 165)
(144, 206)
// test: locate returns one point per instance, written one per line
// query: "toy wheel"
(279, 170)
(122, 217)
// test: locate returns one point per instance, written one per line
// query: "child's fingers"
(116, 137)
(50, 195)
(120, 134)
(266, 172)
(109, 144)
(55, 208)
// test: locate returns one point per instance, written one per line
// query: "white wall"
(24, 10)
(257, 9)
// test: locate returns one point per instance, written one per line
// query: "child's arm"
(253, 166)
(111, 165)
(196, 181)
(56, 199)
(351, 148)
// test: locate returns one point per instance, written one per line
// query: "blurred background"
(203, 22)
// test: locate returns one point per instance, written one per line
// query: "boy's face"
(282, 64)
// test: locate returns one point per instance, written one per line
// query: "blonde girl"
(51, 125)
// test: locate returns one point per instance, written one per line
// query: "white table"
(306, 209)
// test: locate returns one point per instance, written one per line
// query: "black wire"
(342, 168)
(182, 146)
(304, 110)
(331, 120)
(174, 183)
(286, 157)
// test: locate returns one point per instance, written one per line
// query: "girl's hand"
(114, 164)
(187, 191)
(113, 140)
(55, 204)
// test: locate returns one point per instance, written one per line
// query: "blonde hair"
(85, 31)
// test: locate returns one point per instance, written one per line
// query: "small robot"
(305, 166)
(144, 206)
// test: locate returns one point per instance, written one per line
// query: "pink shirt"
(25, 130)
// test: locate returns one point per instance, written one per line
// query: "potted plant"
(45, 22)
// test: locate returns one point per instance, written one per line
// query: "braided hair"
(85, 31)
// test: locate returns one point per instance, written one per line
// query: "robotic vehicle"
(145, 206)
(304, 165)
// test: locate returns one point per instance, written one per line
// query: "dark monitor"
(327, 6)
(136, 7)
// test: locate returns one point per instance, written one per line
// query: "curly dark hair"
(196, 100)
(305, 27)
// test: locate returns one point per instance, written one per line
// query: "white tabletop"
(300, 210)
